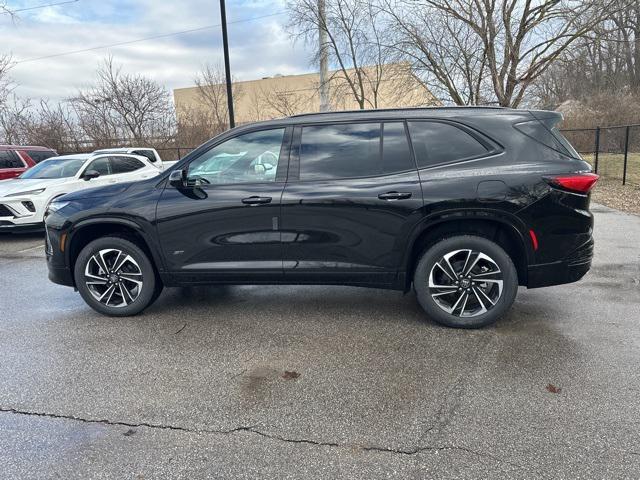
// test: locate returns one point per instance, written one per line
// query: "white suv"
(24, 200)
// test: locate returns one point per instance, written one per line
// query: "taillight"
(577, 183)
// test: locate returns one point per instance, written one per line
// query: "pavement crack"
(118, 423)
(252, 429)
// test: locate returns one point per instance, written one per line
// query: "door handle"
(255, 200)
(394, 196)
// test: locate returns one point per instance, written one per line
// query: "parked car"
(23, 200)
(463, 204)
(151, 153)
(16, 159)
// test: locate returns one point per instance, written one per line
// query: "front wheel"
(115, 277)
(465, 282)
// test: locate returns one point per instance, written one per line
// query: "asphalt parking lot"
(321, 382)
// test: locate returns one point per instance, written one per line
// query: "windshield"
(55, 168)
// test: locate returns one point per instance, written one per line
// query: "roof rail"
(400, 109)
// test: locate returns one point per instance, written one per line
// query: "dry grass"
(609, 190)
(613, 194)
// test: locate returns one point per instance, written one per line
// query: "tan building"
(280, 95)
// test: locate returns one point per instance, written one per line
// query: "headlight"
(55, 206)
(28, 192)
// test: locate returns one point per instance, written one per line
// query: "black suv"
(465, 204)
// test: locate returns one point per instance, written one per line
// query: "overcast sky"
(259, 47)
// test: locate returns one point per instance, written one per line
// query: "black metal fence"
(613, 152)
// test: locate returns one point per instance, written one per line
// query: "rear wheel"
(115, 277)
(465, 282)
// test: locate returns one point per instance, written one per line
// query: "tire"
(134, 286)
(486, 298)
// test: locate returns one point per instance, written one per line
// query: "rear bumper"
(569, 270)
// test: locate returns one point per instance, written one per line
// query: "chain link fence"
(613, 152)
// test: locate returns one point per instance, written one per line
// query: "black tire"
(427, 262)
(145, 294)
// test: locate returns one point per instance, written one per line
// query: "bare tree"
(212, 93)
(195, 126)
(5, 81)
(624, 38)
(4, 10)
(284, 102)
(53, 126)
(480, 51)
(606, 62)
(124, 105)
(355, 44)
(11, 114)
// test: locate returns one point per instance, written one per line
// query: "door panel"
(225, 227)
(350, 230)
(210, 230)
(341, 228)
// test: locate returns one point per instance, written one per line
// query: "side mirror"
(178, 178)
(89, 174)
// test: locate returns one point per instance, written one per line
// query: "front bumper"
(60, 275)
(569, 270)
(21, 213)
(9, 226)
(59, 271)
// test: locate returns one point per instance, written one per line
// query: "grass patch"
(611, 166)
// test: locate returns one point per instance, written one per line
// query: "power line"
(38, 6)
(163, 35)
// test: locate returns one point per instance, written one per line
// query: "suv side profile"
(14, 159)
(463, 204)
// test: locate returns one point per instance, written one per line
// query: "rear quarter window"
(435, 143)
(548, 135)
(148, 154)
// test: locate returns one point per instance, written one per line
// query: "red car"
(15, 159)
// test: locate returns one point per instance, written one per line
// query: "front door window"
(249, 158)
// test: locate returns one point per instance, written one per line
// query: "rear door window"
(396, 155)
(435, 143)
(39, 155)
(340, 151)
(9, 159)
(100, 165)
(125, 164)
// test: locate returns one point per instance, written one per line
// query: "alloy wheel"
(465, 283)
(113, 277)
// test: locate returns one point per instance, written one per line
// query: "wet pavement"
(321, 382)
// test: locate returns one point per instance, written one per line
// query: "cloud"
(257, 48)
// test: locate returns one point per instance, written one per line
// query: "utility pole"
(322, 40)
(227, 69)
